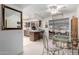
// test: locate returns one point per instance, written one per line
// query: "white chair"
(48, 46)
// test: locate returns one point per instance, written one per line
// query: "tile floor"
(36, 47)
(32, 47)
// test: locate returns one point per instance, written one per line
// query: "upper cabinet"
(12, 18)
(59, 24)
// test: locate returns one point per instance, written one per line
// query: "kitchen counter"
(34, 30)
(34, 35)
(61, 38)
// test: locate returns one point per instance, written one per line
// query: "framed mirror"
(12, 18)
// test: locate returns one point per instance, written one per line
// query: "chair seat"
(51, 45)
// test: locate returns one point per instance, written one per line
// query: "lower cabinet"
(34, 36)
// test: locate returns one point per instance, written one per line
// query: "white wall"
(11, 41)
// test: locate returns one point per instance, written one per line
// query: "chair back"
(45, 40)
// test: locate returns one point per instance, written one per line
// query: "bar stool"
(48, 46)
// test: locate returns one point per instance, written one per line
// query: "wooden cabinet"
(34, 36)
(74, 32)
(26, 33)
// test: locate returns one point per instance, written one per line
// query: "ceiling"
(41, 10)
(36, 11)
(21, 5)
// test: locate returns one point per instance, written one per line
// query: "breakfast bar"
(34, 35)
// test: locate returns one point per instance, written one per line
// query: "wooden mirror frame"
(3, 18)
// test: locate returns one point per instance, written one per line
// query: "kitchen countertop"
(61, 38)
(35, 30)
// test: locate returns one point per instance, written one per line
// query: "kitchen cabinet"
(74, 32)
(34, 35)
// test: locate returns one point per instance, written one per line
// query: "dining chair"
(48, 46)
(66, 50)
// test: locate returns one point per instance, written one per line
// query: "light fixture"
(54, 9)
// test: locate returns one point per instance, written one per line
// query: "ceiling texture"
(41, 11)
